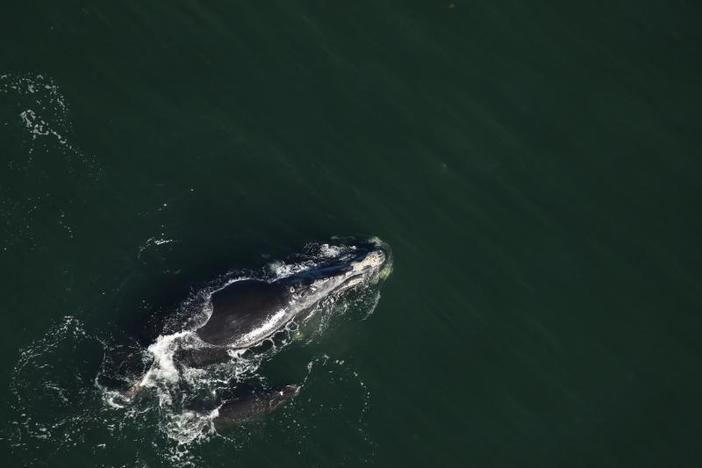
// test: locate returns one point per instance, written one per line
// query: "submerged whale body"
(253, 405)
(247, 312)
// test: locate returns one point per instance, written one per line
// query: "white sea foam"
(45, 114)
(163, 368)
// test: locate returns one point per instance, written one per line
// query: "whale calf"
(253, 405)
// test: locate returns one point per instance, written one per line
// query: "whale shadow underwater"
(226, 330)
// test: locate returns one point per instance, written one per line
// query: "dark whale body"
(253, 405)
(237, 309)
(241, 307)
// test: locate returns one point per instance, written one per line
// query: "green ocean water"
(534, 165)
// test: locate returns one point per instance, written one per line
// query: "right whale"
(247, 312)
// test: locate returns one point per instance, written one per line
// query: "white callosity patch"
(283, 270)
(332, 251)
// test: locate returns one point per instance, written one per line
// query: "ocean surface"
(535, 167)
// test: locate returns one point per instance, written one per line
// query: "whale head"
(343, 267)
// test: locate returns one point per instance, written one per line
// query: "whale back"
(242, 311)
(253, 405)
